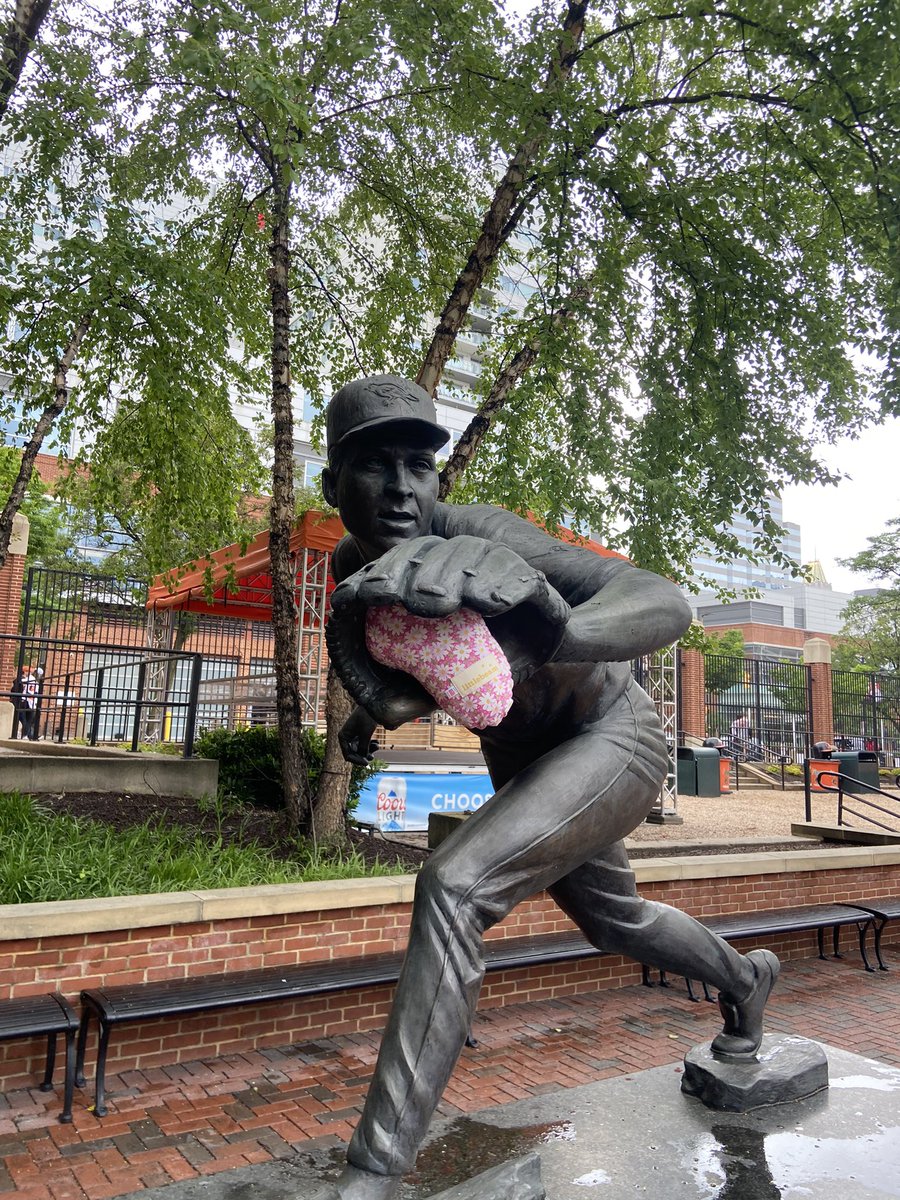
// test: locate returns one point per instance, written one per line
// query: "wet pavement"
(290, 1109)
(637, 1135)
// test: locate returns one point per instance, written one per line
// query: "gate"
(761, 708)
(866, 708)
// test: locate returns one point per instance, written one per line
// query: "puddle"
(736, 1163)
(470, 1147)
(869, 1082)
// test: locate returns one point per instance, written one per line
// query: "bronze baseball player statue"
(577, 763)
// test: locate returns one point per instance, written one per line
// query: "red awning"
(235, 583)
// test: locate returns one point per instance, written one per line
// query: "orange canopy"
(236, 583)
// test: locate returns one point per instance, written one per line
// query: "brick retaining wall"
(82, 944)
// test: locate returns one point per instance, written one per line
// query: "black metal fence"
(866, 709)
(760, 708)
(104, 693)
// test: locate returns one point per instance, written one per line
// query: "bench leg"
(879, 930)
(863, 931)
(46, 1084)
(820, 938)
(664, 979)
(836, 942)
(707, 994)
(692, 995)
(645, 976)
(69, 1083)
(100, 1109)
(82, 1045)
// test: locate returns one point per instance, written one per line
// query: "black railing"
(97, 692)
(866, 707)
(815, 776)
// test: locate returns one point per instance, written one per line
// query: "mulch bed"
(265, 827)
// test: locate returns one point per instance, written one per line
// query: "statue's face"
(385, 490)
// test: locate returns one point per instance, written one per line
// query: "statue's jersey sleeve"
(576, 572)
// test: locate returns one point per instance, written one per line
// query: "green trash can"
(861, 765)
(698, 771)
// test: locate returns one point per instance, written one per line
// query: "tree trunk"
(45, 421)
(281, 516)
(17, 40)
(508, 204)
(519, 365)
(329, 819)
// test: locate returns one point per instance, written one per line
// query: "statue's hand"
(433, 576)
(355, 737)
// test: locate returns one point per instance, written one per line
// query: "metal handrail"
(843, 778)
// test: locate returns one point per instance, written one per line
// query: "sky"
(836, 522)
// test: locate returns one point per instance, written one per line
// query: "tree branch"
(45, 421)
(496, 225)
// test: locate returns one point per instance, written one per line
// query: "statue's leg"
(565, 806)
(601, 898)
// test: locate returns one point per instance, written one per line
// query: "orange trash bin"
(819, 766)
(725, 776)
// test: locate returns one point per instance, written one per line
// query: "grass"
(48, 857)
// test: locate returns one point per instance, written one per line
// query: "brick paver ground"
(202, 1117)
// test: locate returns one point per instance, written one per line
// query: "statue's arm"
(635, 612)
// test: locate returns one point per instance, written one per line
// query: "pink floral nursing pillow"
(455, 658)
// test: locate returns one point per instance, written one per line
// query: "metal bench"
(882, 910)
(36, 1016)
(767, 923)
(118, 1005)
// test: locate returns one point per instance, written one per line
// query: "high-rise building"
(741, 573)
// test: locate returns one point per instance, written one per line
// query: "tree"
(718, 225)
(361, 105)
(718, 647)
(50, 540)
(871, 629)
(16, 40)
(111, 274)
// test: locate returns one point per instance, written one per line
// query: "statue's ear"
(329, 487)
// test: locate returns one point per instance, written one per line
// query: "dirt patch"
(237, 827)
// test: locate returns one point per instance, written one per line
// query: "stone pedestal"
(786, 1068)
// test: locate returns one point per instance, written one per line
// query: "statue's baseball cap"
(381, 400)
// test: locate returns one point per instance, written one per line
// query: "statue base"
(785, 1069)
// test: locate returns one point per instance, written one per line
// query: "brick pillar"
(817, 656)
(12, 574)
(693, 693)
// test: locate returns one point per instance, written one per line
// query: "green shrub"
(249, 760)
(47, 857)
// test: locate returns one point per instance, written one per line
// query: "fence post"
(191, 724)
(692, 688)
(98, 696)
(138, 707)
(60, 737)
(806, 789)
(817, 657)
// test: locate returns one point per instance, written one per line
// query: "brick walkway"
(207, 1116)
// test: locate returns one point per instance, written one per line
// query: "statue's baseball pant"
(558, 824)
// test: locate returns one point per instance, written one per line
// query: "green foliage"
(45, 857)
(724, 186)
(730, 643)
(50, 539)
(871, 632)
(250, 763)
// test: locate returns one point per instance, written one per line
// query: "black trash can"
(698, 771)
(858, 764)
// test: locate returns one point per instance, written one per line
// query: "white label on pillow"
(470, 679)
